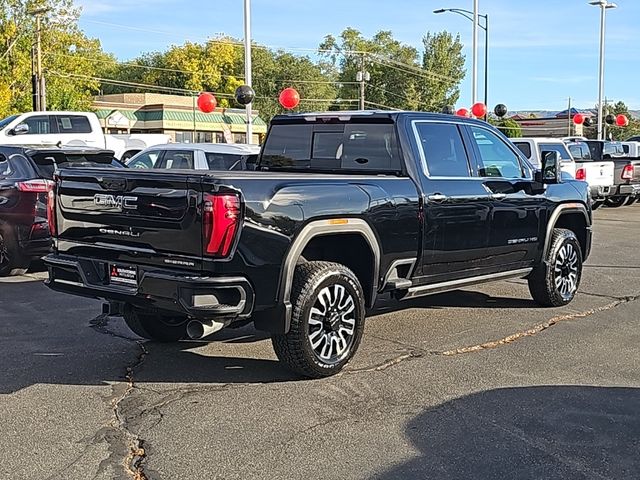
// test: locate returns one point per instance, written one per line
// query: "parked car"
(626, 177)
(532, 148)
(344, 206)
(72, 129)
(26, 175)
(634, 139)
(598, 174)
(631, 149)
(197, 156)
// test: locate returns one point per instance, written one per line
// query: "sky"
(541, 52)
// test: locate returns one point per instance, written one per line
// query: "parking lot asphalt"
(477, 383)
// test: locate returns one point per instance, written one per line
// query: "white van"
(533, 147)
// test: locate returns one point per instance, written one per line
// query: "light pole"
(470, 15)
(604, 6)
(247, 64)
(38, 82)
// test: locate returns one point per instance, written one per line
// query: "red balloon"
(462, 112)
(622, 120)
(578, 119)
(479, 109)
(289, 98)
(207, 102)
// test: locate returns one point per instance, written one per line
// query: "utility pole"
(362, 77)
(35, 82)
(247, 65)
(474, 80)
(38, 81)
(569, 118)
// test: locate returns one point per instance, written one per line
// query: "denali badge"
(122, 233)
(120, 202)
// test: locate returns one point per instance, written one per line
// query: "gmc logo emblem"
(120, 202)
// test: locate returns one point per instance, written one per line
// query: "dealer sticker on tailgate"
(123, 275)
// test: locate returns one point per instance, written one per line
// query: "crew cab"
(626, 176)
(344, 207)
(532, 148)
(599, 174)
(79, 129)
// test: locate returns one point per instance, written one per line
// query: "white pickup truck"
(599, 174)
(532, 148)
(72, 129)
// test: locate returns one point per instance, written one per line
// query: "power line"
(402, 97)
(387, 107)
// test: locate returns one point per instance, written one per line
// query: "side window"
(38, 125)
(144, 160)
(370, 147)
(177, 160)
(72, 124)
(496, 158)
(443, 149)
(586, 153)
(525, 148)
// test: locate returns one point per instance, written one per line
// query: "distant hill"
(553, 113)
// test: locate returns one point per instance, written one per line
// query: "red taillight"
(581, 174)
(221, 217)
(51, 209)
(36, 186)
(627, 172)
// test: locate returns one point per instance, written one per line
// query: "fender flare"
(553, 219)
(319, 228)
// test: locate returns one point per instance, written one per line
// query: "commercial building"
(177, 116)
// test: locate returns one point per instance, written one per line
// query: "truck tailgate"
(142, 217)
(599, 174)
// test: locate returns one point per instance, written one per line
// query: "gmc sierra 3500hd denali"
(343, 207)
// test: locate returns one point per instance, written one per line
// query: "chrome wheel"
(332, 324)
(566, 271)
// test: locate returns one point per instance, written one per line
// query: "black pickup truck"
(343, 207)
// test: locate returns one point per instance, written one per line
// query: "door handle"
(498, 196)
(437, 197)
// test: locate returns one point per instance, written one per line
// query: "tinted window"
(226, 161)
(525, 148)
(72, 124)
(576, 152)
(496, 158)
(347, 147)
(443, 150)
(48, 162)
(38, 125)
(553, 147)
(144, 160)
(626, 149)
(178, 160)
(6, 121)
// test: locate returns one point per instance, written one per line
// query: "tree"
(622, 133)
(508, 126)
(443, 63)
(70, 59)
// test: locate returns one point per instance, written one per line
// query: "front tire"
(555, 282)
(161, 328)
(327, 320)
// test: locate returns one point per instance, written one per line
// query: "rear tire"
(615, 202)
(631, 200)
(555, 282)
(152, 326)
(327, 320)
(596, 205)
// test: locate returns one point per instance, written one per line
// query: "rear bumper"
(177, 292)
(600, 192)
(629, 189)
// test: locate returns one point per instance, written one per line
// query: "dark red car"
(26, 175)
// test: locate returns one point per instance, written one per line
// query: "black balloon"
(500, 110)
(610, 119)
(587, 122)
(449, 110)
(245, 94)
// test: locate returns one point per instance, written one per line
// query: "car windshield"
(6, 121)
(48, 162)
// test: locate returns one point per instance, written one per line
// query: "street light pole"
(38, 82)
(474, 88)
(470, 15)
(604, 5)
(247, 65)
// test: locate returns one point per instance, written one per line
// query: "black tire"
(12, 262)
(152, 326)
(596, 205)
(335, 293)
(616, 201)
(555, 281)
(631, 200)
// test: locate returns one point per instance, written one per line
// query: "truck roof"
(230, 148)
(346, 115)
(75, 150)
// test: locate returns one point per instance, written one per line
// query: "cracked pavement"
(477, 383)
